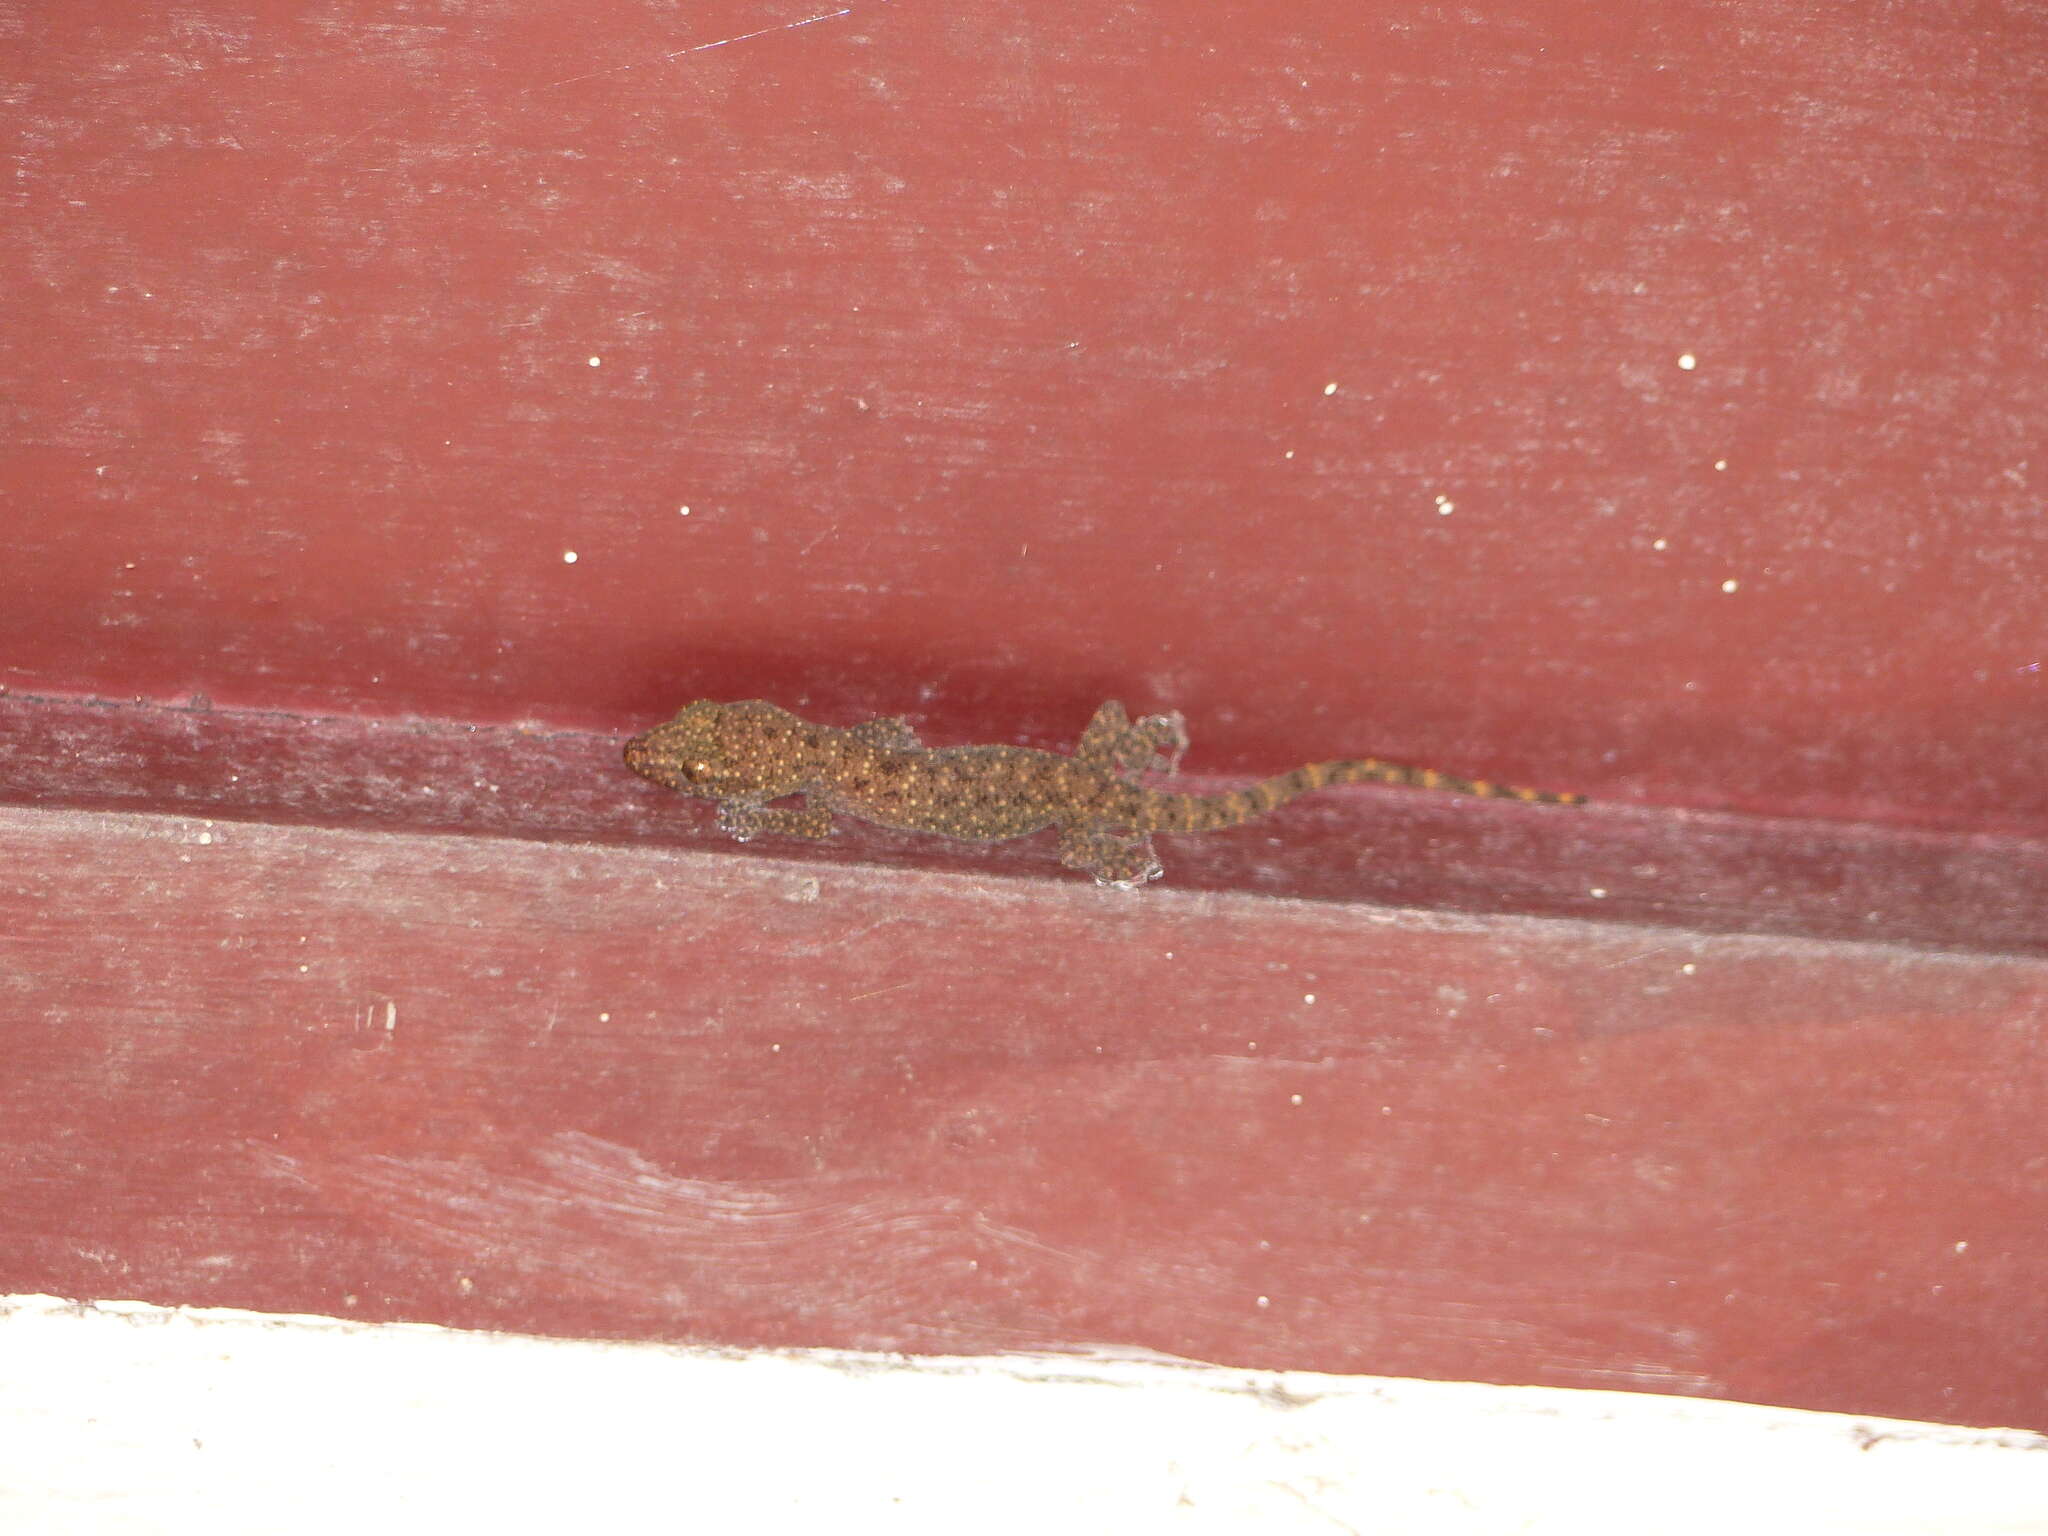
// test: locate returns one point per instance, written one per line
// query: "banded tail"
(1168, 812)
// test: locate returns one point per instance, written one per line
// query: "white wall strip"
(127, 1418)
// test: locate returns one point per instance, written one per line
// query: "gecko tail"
(1202, 813)
(1372, 771)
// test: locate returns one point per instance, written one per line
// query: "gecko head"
(709, 749)
(685, 752)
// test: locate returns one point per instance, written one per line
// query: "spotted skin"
(748, 754)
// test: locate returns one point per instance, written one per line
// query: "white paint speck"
(1265, 1301)
(1308, 997)
(206, 837)
(1730, 584)
(1720, 463)
(683, 511)
(1330, 388)
(1445, 506)
(568, 557)
(597, 362)
(1960, 1247)
(1660, 544)
(1688, 969)
(1294, 1098)
(1288, 454)
(604, 1018)
(1687, 361)
(1598, 893)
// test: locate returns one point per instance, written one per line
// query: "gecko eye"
(697, 772)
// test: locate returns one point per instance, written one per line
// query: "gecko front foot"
(746, 822)
(1114, 858)
(741, 822)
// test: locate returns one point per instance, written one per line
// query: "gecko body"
(746, 755)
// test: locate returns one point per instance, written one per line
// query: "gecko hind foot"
(1168, 738)
(1151, 744)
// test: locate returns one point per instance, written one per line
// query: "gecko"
(745, 755)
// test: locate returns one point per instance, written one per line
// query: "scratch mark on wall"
(862, 997)
(789, 26)
(333, 150)
(661, 58)
(722, 42)
(1661, 949)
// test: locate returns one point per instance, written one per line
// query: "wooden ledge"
(1700, 872)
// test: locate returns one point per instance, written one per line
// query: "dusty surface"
(660, 1094)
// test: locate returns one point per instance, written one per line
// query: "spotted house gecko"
(750, 754)
(745, 755)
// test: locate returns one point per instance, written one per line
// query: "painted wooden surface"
(1702, 872)
(653, 1093)
(1639, 400)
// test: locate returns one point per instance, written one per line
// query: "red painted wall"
(1646, 401)
(1320, 372)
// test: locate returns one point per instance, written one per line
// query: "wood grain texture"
(657, 1094)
